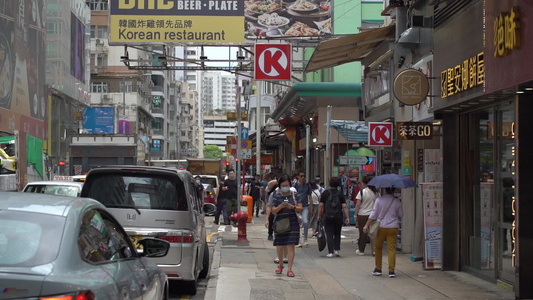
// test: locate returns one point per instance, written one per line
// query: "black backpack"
(333, 205)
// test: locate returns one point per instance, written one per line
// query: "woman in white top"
(315, 195)
(365, 203)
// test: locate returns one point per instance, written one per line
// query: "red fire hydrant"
(241, 218)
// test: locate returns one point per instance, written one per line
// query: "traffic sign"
(272, 61)
(246, 144)
(232, 116)
(244, 133)
(354, 160)
(380, 134)
(246, 153)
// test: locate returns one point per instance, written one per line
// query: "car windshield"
(50, 189)
(142, 192)
(29, 239)
(209, 180)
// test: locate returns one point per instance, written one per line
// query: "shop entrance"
(489, 172)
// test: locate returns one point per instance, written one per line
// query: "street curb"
(211, 291)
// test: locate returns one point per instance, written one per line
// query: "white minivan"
(160, 203)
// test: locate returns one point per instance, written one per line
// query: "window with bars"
(99, 59)
(99, 87)
(102, 31)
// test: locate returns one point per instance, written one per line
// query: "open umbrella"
(392, 181)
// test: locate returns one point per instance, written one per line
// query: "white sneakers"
(329, 255)
(337, 253)
(359, 252)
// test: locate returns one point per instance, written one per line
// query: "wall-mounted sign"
(462, 77)
(414, 130)
(273, 62)
(411, 86)
(506, 32)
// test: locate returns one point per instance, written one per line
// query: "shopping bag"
(321, 236)
(373, 229)
(282, 226)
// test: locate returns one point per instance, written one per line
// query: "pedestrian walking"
(333, 203)
(363, 207)
(230, 186)
(304, 191)
(387, 210)
(254, 190)
(285, 203)
(220, 201)
(313, 218)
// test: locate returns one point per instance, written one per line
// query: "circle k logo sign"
(273, 61)
(380, 134)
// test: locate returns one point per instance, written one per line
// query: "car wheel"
(191, 286)
(205, 263)
(165, 292)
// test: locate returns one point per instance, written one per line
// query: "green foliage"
(212, 151)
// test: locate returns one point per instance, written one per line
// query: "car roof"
(56, 183)
(42, 203)
(135, 168)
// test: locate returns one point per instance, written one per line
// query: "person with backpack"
(333, 203)
(363, 207)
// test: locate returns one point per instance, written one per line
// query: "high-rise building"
(216, 129)
(218, 93)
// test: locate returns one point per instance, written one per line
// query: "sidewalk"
(246, 271)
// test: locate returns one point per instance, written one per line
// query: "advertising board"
(176, 21)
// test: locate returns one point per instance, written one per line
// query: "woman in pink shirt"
(387, 210)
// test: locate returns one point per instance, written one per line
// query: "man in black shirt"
(230, 186)
(255, 190)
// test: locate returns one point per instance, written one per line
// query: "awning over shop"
(352, 131)
(6, 139)
(304, 97)
(347, 49)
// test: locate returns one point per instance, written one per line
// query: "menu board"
(432, 165)
(432, 195)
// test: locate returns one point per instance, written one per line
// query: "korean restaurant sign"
(176, 21)
(506, 32)
(464, 76)
(414, 130)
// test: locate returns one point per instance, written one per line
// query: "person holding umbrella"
(387, 210)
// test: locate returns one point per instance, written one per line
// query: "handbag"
(282, 225)
(321, 236)
(373, 228)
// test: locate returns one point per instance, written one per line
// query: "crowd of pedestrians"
(290, 204)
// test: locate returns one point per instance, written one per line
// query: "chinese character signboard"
(176, 21)
(508, 44)
(464, 76)
(414, 130)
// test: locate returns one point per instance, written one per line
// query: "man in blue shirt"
(304, 190)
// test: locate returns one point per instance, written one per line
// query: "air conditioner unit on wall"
(99, 42)
(94, 70)
(106, 97)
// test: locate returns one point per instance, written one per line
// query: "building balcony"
(185, 139)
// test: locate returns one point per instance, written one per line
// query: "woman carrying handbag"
(387, 210)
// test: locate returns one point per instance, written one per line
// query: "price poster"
(433, 204)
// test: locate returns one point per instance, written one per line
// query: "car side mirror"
(152, 247)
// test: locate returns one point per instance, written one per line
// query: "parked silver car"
(55, 187)
(54, 247)
(157, 202)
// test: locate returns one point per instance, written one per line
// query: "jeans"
(257, 205)
(333, 227)
(390, 234)
(221, 209)
(305, 221)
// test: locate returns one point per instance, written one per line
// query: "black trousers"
(271, 224)
(333, 227)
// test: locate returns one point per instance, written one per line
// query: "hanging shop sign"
(411, 87)
(414, 130)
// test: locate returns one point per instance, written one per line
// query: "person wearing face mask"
(285, 203)
(201, 190)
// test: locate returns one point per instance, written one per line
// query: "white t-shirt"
(369, 198)
(315, 195)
